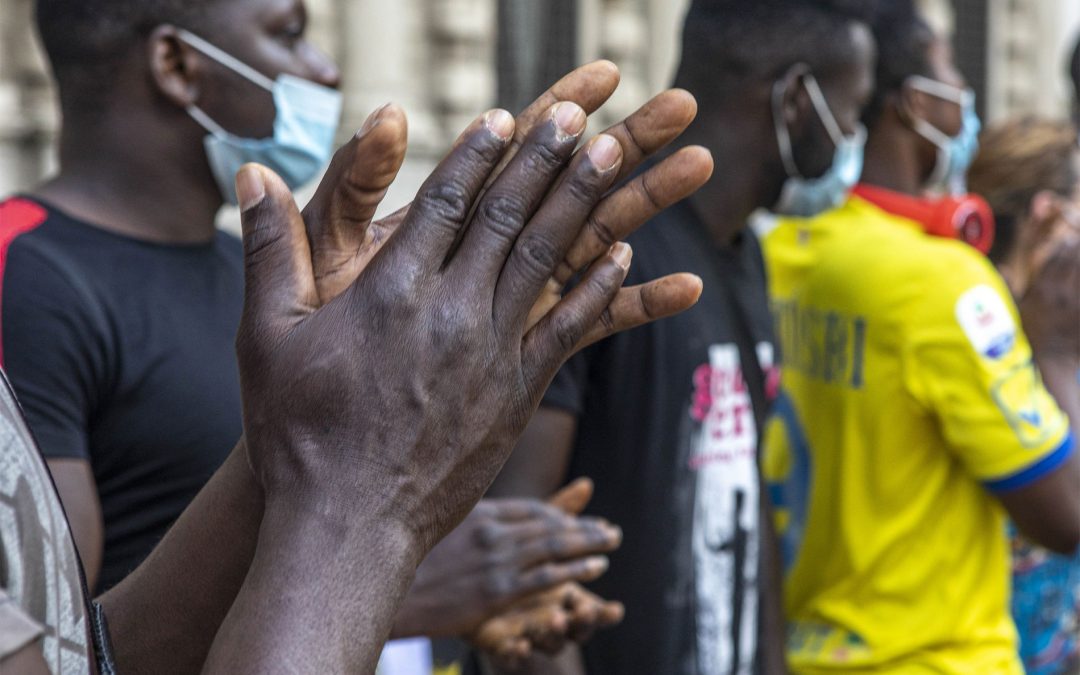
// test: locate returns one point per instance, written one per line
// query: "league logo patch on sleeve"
(986, 321)
(1028, 407)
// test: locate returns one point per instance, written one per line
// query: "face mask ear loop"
(945, 92)
(821, 106)
(231, 62)
(206, 122)
(941, 141)
(942, 90)
(783, 136)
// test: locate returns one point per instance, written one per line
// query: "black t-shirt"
(667, 427)
(121, 352)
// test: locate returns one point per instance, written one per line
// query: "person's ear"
(795, 102)
(174, 65)
(1045, 206)
(912, 104)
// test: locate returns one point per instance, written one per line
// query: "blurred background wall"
(446, 60)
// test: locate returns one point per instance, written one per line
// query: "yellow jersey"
(909, 397)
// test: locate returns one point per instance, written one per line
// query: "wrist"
(360, 529)
(306, 562)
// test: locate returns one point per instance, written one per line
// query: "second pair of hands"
(507, 578)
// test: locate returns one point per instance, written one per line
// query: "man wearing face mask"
(120, 299)
(113, 352)
(911, 410)
(666, 421)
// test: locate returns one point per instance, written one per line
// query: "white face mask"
(305, 124)
(806, 197)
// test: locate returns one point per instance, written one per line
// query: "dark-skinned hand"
(1036, 242)
(374, 420)
(505, 549)
(544, 623)
(1050, 309)
(344, 237)
(452, 291)
(547, 620)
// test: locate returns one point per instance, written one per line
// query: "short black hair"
(86, 39)
(903, 40)
(729, 43)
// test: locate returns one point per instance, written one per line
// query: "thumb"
(279, 286)
(573, 498)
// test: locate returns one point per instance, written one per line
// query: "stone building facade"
(445, 60)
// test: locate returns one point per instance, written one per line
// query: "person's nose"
(322, 69)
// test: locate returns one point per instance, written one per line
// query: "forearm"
(321, 594)
(1060, 372)
(164, 616)
(74, 480)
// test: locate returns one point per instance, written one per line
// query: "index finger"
(653, 126)
(589, 86)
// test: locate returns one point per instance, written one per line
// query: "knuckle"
(504, 215)
(487, 536)
(396, 295)
(544, 512)
(647, 194)
(632, 136)
(555, 546)
(546, 575)
(601, 285)
(498, 585)
(448, 343)
(483, 148)
(261, 242)
(584, 186)
(447, 201)
(601, 230)
(544, 158)
(538, 255)
(607, 321)
(567, 330)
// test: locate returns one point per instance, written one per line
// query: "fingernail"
(598, 563)
(250, 189)
(614, 532)
(372, 121)
(622, 253)
(570, 118)
(500, 123)
(604, 152)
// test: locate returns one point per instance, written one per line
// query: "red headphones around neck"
(965, 217)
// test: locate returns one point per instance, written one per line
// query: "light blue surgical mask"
(807, 197)
(955, 154)
(305, 123)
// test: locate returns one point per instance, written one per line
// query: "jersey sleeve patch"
(1029, 409)
(986, 321)
(1038, 470)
